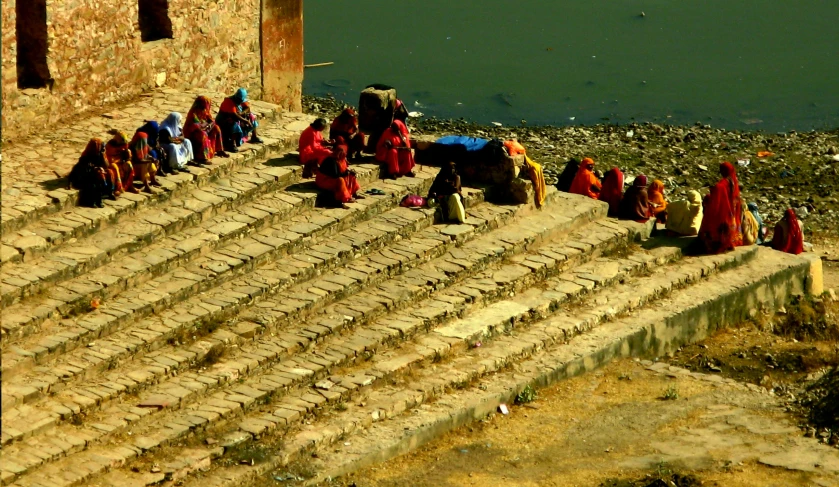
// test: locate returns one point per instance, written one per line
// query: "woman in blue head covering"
(237, 122)
(761, 228)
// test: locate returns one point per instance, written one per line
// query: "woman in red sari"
(334, 175)
(201, 129)
(585, 182)
(311, 147)
(394, 149)
(720, 230)
(346, 125)
(612, 190)
(788, 236)
(142, 161)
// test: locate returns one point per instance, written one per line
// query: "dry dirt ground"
(639, 424)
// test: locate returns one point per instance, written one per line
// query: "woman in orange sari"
(658, 205)
(720, 230)
(585, 182)
(334, 174)
(788, 236)
(118, 160)
(394, 149)
(612, 190)
(201, 129)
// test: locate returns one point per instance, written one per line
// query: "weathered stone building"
(65, 57)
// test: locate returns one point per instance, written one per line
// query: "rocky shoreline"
(802, 172)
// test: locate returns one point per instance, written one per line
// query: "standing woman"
(394, 149)
(721, 228)
(202, 131)
(612, 190)
(177, 150)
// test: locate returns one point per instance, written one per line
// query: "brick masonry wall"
(96, 56)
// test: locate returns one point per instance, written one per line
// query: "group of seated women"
(720, 220)
(106, 170)
(393, 149)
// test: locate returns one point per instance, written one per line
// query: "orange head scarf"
(585, 182)
(201, 109)
(656, 195)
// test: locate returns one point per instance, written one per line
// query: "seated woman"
(142, 160)
(118, 163)
(569, 172)
(177, 151)
(788, 235)
(333, 174)
(346, 125)
(612, 190)
(394, 149)
(446, 190)
(236, 121)
(585, 182)
(152, 131)
(658, 205)
(685, 216)
(88, 175)
(635, 204)
(202, 131)
(721, 228)
(311, 146)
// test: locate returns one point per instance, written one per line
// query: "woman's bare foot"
(132, 189)
(359, 196)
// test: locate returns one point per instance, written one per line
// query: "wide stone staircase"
(227, 326)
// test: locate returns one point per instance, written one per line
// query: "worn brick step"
(507, 280)
(524, 344)
(39, 236)
(130, 233)
(221, 266)
(522, 234)
(152, 256)
(276, 126)
(720, 301)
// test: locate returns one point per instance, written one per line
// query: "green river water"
(769, 65)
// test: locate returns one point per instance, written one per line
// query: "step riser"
(208, 321)
(656, 339)
(198, 181)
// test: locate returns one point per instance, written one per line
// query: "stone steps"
(184, 251)
(54, 224)
(79, 363)
(529, 230)
(436, 396)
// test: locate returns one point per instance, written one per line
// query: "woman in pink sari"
(201, 130)
(394, 149)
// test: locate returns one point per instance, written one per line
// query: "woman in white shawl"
(684, 217)
(172, 140)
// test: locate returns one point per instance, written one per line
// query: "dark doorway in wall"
(154, 20)
(32, 44)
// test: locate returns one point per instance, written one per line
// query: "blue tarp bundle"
(472, 144)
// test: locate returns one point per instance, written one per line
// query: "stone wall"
(96, 56)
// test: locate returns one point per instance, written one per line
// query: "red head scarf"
(93, 151)
(201, 108)
(728, 171)
(791, 240)
(612, 190)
